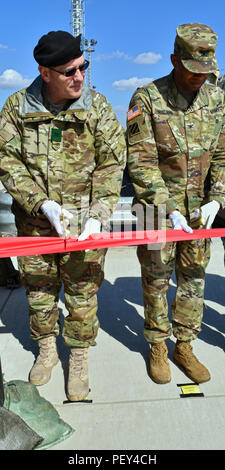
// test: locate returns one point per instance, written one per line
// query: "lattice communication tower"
(78, 18)
(78, 27)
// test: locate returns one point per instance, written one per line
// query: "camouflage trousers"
(189, 260)
(82, 274)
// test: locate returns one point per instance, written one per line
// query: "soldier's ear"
(173, 59)
(44, 71)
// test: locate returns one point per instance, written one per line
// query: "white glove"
(208, 212)
(91, 226)
(179, 222)
(55, 214)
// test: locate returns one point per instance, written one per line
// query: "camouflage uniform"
(75, 158)
(172, 147)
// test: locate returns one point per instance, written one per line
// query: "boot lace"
(47, 350)
(78, 361)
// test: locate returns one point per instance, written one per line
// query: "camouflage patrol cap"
(196, 44)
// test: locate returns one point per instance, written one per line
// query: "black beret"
(57, 48)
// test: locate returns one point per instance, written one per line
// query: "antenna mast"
(78, 18)
(78, 26)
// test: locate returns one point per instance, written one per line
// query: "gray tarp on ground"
(15, 434)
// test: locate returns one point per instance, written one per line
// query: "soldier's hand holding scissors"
(208, 213)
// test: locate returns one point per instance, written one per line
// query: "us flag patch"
(133, 112)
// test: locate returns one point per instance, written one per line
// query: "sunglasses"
(70, 73)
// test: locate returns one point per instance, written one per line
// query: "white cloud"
(130, 83)
(2, 46)
(147, 58)
(11, 79)
(113, 55)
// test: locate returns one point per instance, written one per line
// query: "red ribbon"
(22, 246)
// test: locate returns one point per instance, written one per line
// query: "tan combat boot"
(159, 366)
(185, 358)
(78, 387)
(41, 371)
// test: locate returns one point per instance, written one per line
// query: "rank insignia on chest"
(133, 112)
(56, 135)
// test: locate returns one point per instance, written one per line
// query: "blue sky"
(134, 40)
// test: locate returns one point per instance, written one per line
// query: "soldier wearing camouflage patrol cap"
(63, 153)
(176, 139)
(195, 45)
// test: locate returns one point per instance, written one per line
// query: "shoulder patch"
(134, 112)
(138, 130)
(134, 129)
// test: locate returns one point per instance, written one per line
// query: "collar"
(33, 99)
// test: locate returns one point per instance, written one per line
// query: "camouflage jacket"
(171, 150)
(78, 154)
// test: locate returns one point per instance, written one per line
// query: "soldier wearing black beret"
(64, 171)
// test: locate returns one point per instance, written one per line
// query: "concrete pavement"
(128, 410)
